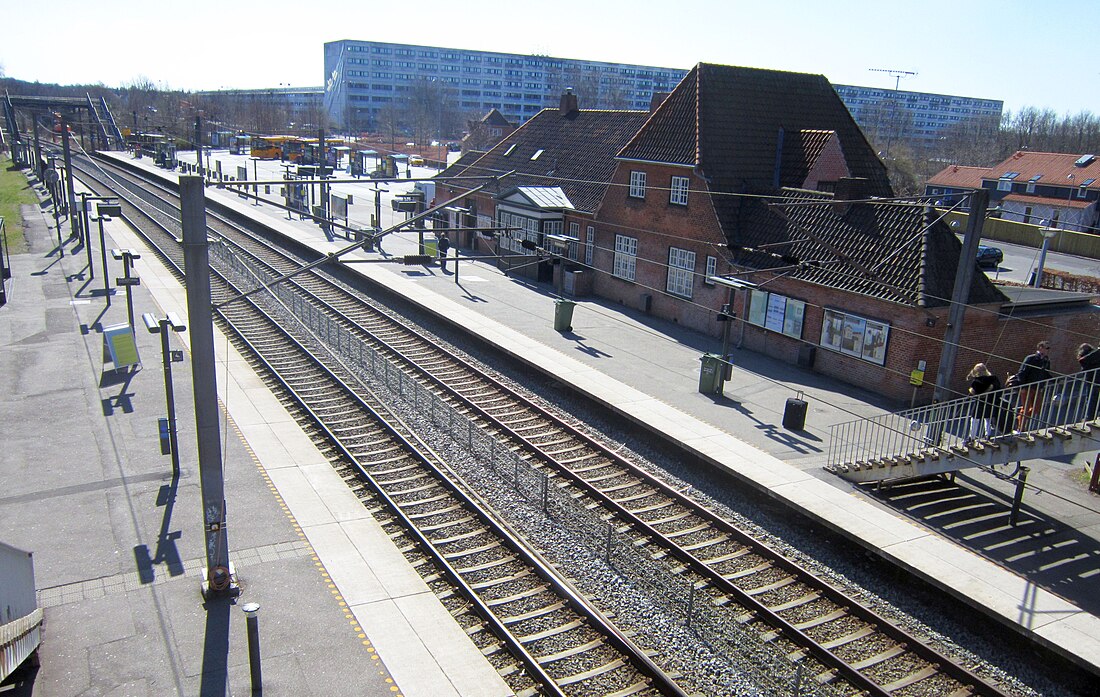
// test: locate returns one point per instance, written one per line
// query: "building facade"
(365, 78)
(918, 119)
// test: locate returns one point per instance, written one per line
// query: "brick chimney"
(848, 189)
(568, 103)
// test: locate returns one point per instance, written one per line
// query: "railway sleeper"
(503, 579)
(416, 476)
(570, 652)
(670, 519)
(748, 572)
(892, 652)
(782, 583)
(522, 595)
(432, 484)
(506, 559)
(727, 557)
(542, 612)
(823, 619)
(636, 497)
(605, 477)
(915, 677)
(685, 531)
(430, 499)
(706, 543)
(594, 673)
(797, 602)
(460, 538)
(848, 638)
(551, 632)
(592, 468)
(620, 487)
(474, 550)
(429, 514)
(448, 524)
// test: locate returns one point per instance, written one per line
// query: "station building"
(758, 178)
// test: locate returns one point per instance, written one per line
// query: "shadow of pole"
(215, 650)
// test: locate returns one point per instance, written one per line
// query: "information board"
(122, 345)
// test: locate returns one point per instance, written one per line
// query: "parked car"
(416, 160)
(990, 256)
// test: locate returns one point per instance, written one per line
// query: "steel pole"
(211, 476)
(169, 395)
(103, 253)
(67, 152)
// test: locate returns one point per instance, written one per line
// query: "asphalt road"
(1019, 261)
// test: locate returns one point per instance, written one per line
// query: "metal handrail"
(1059, 403)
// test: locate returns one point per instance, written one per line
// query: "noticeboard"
(122, 345)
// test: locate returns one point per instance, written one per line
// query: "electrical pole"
(211, 476)
(960, 297)
(198, 145)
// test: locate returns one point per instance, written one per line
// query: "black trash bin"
(794, 414)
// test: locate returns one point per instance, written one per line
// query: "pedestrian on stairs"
(1034, 369)
(983, 409)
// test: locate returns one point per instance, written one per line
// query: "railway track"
(731, 581)
(562, 644)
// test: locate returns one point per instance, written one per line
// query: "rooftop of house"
(573, 149)
(960, 177)
(1049, 169)
(888, 250)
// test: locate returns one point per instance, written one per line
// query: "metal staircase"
(935, 439)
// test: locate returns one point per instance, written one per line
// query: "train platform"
(117, 540)
(1038, 578)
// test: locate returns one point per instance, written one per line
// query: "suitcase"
(794, 414)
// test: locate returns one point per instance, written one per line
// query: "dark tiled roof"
(578, 153)
(800, 152)
(726, 121)
(495, 118)
(877, 249)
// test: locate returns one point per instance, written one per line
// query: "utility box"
(563, 315)
(712, 373)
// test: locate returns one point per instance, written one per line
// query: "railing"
(1059, 402)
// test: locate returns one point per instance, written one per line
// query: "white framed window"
(637, 184)
(712, 268)
(1082, 191)
(575, 232)
(1004, 185)
(626, 257)
(681, 272)
(589, 244)
(678, 191)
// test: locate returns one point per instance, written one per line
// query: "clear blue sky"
(997, 49)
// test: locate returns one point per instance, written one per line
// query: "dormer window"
(1031, 183)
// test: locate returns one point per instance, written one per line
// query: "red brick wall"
(658, 225)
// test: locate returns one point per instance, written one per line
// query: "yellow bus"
(287, 148)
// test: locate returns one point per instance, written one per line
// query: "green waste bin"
(712, 373)
(563, 315)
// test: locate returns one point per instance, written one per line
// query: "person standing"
(1035, 368)
(1089, 358)
(443, 246)
(982, 386)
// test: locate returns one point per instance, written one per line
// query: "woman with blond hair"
(982, 386)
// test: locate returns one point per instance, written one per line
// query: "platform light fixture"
(171, 322)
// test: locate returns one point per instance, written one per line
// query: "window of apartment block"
(681, 272)
(589, 244)
(637, 184)
(678, 193)
(626, 257)
(712, 268)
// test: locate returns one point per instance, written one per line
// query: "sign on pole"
(122, 345)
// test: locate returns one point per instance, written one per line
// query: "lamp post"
(252, 621)
(104, 212)
(127, 256)
(161, 326)
(1047, 233)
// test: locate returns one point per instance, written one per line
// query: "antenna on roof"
(898, 75)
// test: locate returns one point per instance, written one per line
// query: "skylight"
(510, 149)
(536, 155)
(1010, 175)
(1036, 178)
(1088, 182)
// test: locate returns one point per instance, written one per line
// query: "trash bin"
(563, 315)
(794, 414)
(712, 373)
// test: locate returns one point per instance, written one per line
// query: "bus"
(286, 148)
